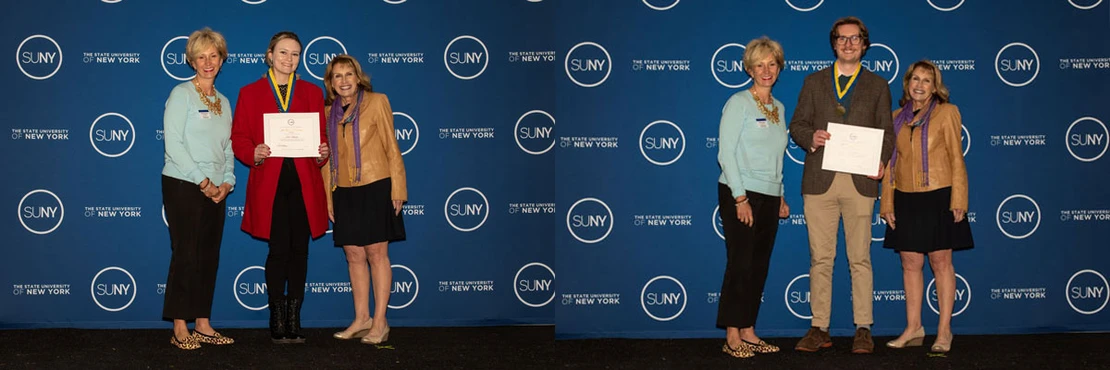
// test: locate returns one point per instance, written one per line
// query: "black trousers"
(287, 263)
(748, 256)
(196, 229)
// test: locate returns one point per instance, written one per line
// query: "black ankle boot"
(293, 320)
(278, 311)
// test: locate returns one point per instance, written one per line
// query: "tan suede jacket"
(381, 157)
(946, 160)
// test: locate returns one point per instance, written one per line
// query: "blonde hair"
(941, 91)
(760, 49)
(363, 79)
(202, 39)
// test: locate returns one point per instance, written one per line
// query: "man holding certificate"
(278, 131)
(843, 120)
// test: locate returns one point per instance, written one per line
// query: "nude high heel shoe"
(942, 346)
(915, 340)
(379, 339)
(358, 333)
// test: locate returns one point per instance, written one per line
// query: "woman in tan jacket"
(925, 192)
(365, 183)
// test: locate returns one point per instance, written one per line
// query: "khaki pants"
(823, 213)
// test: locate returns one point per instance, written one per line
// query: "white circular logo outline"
(668, 7)
(61, 208)
(951, 8)
(164, 220)
(1077, 6)
(134, 293)
(680, 310)
(786, 298)
(254, 2)
(235, 292)
(791, 156)
(966, 304)
(517, 291)
(897, 63)
(1104, 300)
(641, 143)
(414, 125)
(448, 203)
(713, 219)
(517, 127)
(485, 63)
(967, 134)
(713, 61)
(304, 54)
(590, 199)
(1105, 144)
(162, 58)
(93, 142)
(609, 68)
(415, 281)
(393, 2)
(998, 216)
(999, 72)
(20, 49)
(804, 9)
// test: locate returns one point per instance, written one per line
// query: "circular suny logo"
(804, 5)
(1018, 216)
(1084, 4)
(408, 132)
(718, 224)
(727, 66)
(113, 289)
(316, 57)
(405, 287)
(40, 211)
(1087, 292)
(797, 297)
(878, 224)
(1017, 64)
(965, 140)
(534, 284)
(112, 134)
(535, 132)
(174, 60)
(589, 220)
(1087, 139)
(250, 289)
(663, 298)
(466, 209)
(793, 151)
(945, 5)
(661, 4)
(38, 57)
(466, 57)
(883, 63)
(963, 296)
(588, 64)
(662, 142)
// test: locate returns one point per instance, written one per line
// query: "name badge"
(204, 114)
(761, 122)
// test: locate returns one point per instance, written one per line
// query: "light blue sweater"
(197, 147)
(750, 147)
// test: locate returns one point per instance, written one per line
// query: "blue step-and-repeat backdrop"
(620, 200)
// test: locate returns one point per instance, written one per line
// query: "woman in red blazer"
(285, 196)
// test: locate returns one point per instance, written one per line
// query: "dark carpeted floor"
(521, 348)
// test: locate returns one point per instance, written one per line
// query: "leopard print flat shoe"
(216, 338)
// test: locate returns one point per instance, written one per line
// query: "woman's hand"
(958, 214)
(261, 152)
(744, 211)
(221, 193)
(324, 152)
(397, 206)
(784, 209)
(889, 217)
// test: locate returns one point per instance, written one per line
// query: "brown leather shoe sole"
(806, 349)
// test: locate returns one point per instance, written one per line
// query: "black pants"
(748, 256)
(287, 263)
(196, 229)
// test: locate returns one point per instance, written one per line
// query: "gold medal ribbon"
(841, 92)
(283, 101)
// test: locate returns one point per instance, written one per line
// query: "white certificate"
(292, 135)
(853, 149)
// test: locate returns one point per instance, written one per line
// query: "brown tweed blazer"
(870, 107)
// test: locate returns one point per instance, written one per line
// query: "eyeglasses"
(855, 39)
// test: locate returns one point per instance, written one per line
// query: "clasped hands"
(213, 192)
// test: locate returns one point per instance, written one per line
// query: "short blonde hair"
(760, 49)
(202, 39)
(939, 90)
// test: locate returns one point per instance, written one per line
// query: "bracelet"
(742, 201)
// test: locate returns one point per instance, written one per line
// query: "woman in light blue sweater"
(198, 175)
(750, 192)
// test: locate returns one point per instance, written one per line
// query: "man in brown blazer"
(855, 97)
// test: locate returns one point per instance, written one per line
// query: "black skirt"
(925, 224)
(364, 215)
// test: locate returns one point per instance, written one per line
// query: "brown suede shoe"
(814, 340)
(862, 343)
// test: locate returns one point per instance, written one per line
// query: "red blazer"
(255, 100)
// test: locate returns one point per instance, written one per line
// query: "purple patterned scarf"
(904, 117)
(334, 118)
